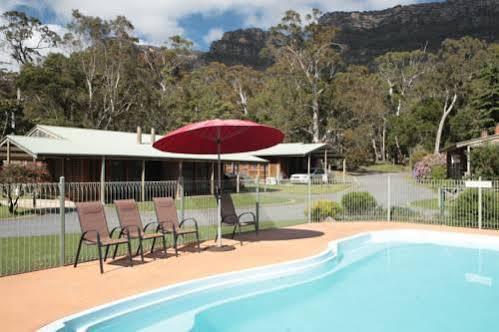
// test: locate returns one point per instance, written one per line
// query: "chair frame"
(99, 245)
(141, 231)
(174, 231)
(237, 217)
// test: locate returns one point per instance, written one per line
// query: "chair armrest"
(91, 231)
(151, 223)
(247, 213)
(189, 219)
(126, 230)
(113, 230)
(227, 216)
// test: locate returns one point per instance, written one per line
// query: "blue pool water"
(389, 287)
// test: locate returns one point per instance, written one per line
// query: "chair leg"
(164, 246)
(197, 239)
(141, 250)
(234, 230)
(129, 252)
(153, 244)
(107, 251)
(116, 251)
(78, 251)
(99, 249)
(239, 233)
(175, 240)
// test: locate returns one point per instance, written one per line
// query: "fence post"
(257, 211)
(309, 191)
(181, 194)
(480, 205)
(389, 199)
(62, 213)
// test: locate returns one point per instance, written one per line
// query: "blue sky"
(202, 21)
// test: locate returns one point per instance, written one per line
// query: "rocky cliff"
(372, 33)
(240, 47)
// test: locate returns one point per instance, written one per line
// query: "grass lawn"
(385, 168)
(430, 203)
(21, 212)
(303, 188)
(29, 253)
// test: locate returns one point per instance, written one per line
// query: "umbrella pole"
(219, 193)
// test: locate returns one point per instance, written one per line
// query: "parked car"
(317, 175)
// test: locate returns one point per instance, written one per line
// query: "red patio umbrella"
(220, 136)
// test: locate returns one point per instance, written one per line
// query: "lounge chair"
(166, 214)
(132, 228)
(230, 216)
(94, 231)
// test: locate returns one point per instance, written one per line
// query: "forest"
(400, 105)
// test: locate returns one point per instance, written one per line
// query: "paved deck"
(34, 299)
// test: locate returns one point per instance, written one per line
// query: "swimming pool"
(404, 280)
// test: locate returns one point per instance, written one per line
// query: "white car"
(317, 175)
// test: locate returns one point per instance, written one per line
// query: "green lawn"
(24, 254)
(303, 188)
(21, 212)
(430, 203)
(385, 168)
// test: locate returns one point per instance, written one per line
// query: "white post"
(480, 205)
(238, 178)
(468, 161)
(389, 199)
(219, 192)
(143, 182)
(325, 165)
(103, 180)
(344, 169)
(180, 191)
(257, 211)
(309, 191)
(62, 214)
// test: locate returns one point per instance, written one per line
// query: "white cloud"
(212, 35)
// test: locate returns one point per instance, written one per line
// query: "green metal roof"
(69, 141)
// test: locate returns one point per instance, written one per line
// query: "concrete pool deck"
(34, 299)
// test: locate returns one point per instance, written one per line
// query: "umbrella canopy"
(233, 135)
(220, 136)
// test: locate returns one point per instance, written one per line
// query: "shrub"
(358, 202)
(324, 209)
(465, 207)
(14, 177)
(485, 161)
(424, 168)
(418, 154)
(438, 172)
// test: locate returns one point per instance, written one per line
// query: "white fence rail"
(39, 227)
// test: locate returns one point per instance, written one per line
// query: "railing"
(40, 230)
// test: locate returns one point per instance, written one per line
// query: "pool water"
(374, 287)
(401, 288)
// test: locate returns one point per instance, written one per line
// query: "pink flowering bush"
(431, 166)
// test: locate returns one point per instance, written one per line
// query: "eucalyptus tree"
(26, 36)
(307, 49)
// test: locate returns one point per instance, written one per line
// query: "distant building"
(458, 154)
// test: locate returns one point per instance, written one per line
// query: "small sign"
(478, 184)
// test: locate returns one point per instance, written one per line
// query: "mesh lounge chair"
(94, 231)
(166, 213)
(230, 216)
(131, 225)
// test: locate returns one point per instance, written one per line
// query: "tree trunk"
(376, 154)
(315, 119)
(447, 109)
(383, 142)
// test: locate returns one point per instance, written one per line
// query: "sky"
(201, 21)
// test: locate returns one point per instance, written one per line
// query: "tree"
(107, 54)
(402, 71)
(15, 180)
(26, 36)
(307, 48)
(486, 96)
(457, 62)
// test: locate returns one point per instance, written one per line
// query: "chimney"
(139, 135)
(153, 136)
(497, 129)
(484, 134)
